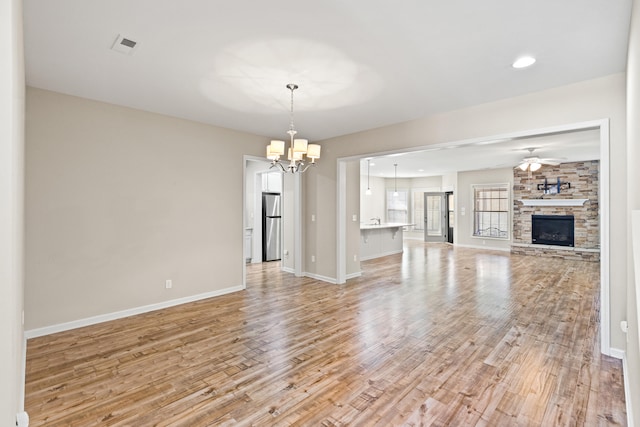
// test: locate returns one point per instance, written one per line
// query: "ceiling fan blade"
(552, 162)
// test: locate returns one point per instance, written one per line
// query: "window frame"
(508, 211)
(387, 207)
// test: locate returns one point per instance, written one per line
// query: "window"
(418, 210)
(491, 211)
(398, 206)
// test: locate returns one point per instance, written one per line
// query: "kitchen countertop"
(384, 225)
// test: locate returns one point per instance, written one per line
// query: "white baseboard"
(627, 390)
(288, 270)
(38, 332)
(22, 419)
(365, 258)
(486, 248)
(354, 275)
(617, 353)
(321, 277)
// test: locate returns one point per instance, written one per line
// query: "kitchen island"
(378, 240)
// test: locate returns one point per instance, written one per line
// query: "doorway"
(435, 217)
(451, 215)
(439, 216)
(602, 126)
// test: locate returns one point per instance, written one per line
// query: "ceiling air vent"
(124, 45)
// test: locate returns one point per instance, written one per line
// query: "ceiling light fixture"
(298, 148)
(395, 192)
(368, 192)
(524, 62)
(534, 166)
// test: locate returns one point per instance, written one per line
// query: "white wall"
(11, 211)
(464, 203)
(633, 197)
(585, 101)
(372, 206)
(119, 200)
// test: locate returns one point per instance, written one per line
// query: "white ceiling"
(360, 64)
(476, 155)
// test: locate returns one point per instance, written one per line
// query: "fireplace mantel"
(553, 202)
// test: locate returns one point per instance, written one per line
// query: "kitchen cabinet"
(381, 240)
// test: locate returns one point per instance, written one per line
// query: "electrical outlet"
(354, 218)
(355, 257)
(313, 258)
(313, 217)
(168, 284)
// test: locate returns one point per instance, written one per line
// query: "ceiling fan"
(533, 163)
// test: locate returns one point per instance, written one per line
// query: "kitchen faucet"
(377, 220)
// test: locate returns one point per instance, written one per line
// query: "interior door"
(435, 217)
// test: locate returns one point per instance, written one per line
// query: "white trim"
(603, 193)
(245, 159)
(38, 332)
(553, 202)
(380, 255)
(616, 353)
(627, 389)
(22, 419)
(297, 224)
(354, 275)
(321, 278)
(23, 374)
(486, 248)
(289, 270)
(635, 253)
(504, 185)
(341, 222)
(602, 124)
(244, 219)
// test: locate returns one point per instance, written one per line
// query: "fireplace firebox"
(552, 230)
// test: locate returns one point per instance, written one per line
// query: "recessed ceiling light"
(420, 170)
(373, 164)
(524, 62)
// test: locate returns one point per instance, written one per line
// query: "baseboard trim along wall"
(627, 389)
(367, 258)
(321, 278)
(617, 353)
(354, 275)
(47, 330)
(486, 248)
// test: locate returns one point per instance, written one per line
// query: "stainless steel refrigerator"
(271, 226)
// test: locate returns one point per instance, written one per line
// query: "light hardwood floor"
(436, 336)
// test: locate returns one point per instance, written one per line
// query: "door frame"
(444, 230)
(605, 178)
(450, 230)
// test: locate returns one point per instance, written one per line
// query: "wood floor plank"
(436, 336)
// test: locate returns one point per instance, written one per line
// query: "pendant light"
(368, 192)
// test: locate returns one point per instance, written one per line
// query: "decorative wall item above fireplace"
(555, 230)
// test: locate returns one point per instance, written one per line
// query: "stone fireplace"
(570, 220)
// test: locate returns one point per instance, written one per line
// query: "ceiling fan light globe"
(535, 166)
(523, 166)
